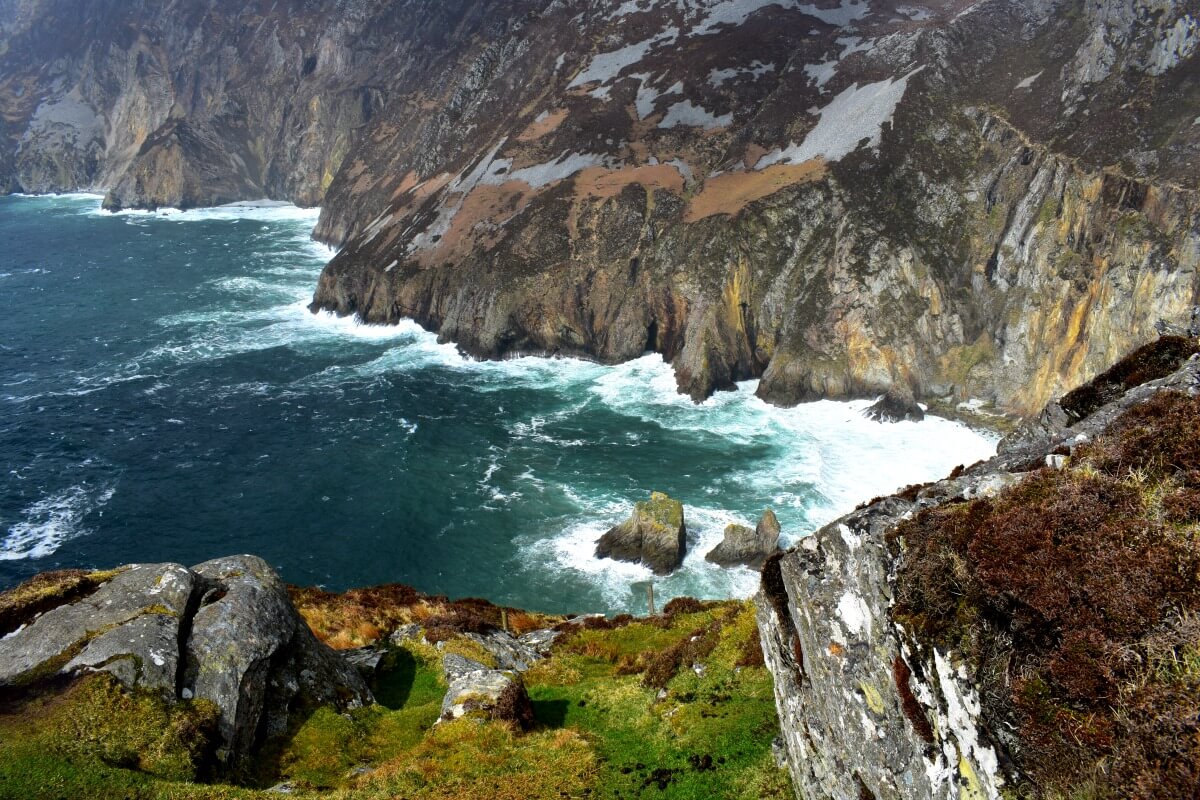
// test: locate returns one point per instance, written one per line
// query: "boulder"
(745, 547)
(895, 405)
(654, 535)
(224, 631)
(491, 693)
(128, 626)
(455, 666)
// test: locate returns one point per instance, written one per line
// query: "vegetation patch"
(1150, 362)
(43, 592)
(1074, 597)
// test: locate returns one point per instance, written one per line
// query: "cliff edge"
(1024, 628)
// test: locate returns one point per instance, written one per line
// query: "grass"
(603, 729)
(1074, 597)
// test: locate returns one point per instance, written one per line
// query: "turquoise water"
(166, 395)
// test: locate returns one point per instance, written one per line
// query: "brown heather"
(1074, 597)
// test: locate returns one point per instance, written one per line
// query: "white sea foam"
(51, 521)
(258, 211)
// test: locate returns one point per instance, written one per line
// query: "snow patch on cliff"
(856, 114)
(685, 113)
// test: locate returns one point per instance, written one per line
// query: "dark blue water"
(165, 395)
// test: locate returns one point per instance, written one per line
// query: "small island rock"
(745, 547)
(654, 535)
(895, 405)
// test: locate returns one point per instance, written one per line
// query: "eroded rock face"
(654, 535)
(224, 631)
(607, 178)
(866, 707)
(750, 547)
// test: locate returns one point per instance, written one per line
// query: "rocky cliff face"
(954, 199)
(1014, 630)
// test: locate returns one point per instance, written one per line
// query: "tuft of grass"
(46, 591)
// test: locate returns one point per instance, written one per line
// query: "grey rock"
(742, 546)
(455, 666)
(654, 535)
(129, 626)
(481, 692)
(364, 659)
(251, 653)
(244, 646)
(509, 652)
(406, 632)
(540, 641)
(832, 648)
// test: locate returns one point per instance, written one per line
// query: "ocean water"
(166, 395)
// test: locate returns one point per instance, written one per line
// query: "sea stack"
(654, 535)
(743, 546)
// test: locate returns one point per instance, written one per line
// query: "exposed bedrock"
(970, 200)
(872, 704)
(224, 631)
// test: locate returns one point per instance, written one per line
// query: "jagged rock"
(129, 626)
(509, 652)
(540, 641)
(224, 631)
(494, 693)
(895, 405)
(455, 666)
(866, 707)
(406, 632)
(654, 535)
(746, 547)
(616, 237)
(364, 659)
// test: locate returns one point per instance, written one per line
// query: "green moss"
(98, 740)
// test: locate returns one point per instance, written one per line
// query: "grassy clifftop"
(674, 706)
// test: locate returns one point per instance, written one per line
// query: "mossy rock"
(654, 535)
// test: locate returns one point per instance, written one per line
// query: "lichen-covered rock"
(750, 547)
(510, 653)
(490, 693)
(129, 626)
(654, 535)
(455, 666)
(224, 631)
(867, 706)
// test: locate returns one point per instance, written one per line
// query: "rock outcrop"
(895, 406)
(654, 535)
(874, 704)
(223, 631)
(964, 200)
(749, 547)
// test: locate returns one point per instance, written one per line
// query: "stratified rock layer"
(954, 199)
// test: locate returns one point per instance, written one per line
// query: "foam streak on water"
(166, 394)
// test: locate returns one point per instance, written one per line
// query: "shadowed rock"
(655, 535)
(224, 631)
(895, 405)
(743, 546)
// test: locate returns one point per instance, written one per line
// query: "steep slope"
(990, 199)
(1024, 628)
